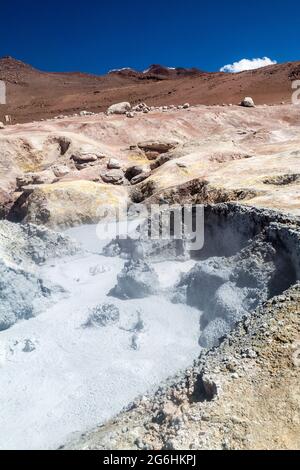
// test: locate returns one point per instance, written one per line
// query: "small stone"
(113, 164)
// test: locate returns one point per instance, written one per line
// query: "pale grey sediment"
(250, 271)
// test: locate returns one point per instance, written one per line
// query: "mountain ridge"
(33, 94)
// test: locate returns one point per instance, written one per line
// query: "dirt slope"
(33, 95)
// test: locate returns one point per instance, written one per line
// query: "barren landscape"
(34, 94)
(149, 345)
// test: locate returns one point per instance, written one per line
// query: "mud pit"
(124, 324)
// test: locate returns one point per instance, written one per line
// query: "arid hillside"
(34, 95)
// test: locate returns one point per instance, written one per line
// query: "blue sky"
(95, 36)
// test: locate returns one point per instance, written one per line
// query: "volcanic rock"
(70, 203)
(113, 177)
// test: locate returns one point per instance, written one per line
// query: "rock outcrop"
(67, 204)
(137, 280)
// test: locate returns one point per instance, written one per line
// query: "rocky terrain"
(33, 94)
(241, 290)
(60, 172)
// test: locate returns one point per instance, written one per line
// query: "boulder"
(248, 102)
(119, 108)
(2, 126)
(113, 177)
(84, 157)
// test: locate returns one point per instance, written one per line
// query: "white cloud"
(247, 64)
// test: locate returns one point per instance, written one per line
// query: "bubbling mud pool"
(115, 320)
(65, 372)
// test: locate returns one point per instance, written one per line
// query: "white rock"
(186, 105)
(85, 113)
(113, 164)
(248, 102)
(119, 108)
(2, 126)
